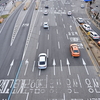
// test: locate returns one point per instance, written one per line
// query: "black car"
(46, 6)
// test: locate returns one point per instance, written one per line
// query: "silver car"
(86, 27)
(42, 61)
(94, 35)
(45, 25)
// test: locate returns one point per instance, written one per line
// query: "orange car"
(1, 20)
(74, 50)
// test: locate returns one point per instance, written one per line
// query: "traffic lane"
(7, 53)
(6, 36)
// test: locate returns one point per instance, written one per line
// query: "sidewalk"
(94, 12)
(10, 5)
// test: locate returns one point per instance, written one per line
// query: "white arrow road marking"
(12, 63)
(61, 65)
(68, 66)
(84, 63)
(54, 63)
(33, 66)
(26, 63)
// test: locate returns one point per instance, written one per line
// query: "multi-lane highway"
(23, 38)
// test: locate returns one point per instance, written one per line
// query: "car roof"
(75, 46)
(93, 32)
(86, 24)
(42, 58)
(45, 22)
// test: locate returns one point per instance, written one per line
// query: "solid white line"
(39, 72)
(69, 70)
(58, 45)
(86, 70)
(26, 69)
(64, 25)
(39, 32)
(27, 96)
(64, 96)
(79, 81)
(57, 31)
(67, 36)
(61, 65)
(37, 45)
(54, 69)
(9, 70)
(48, 52)
(48, 36)
(33, 66)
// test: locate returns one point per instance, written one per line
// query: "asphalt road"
(66, 78)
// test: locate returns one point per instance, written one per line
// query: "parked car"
(42, 61)
(74, 50)
(80, 20)
(86, 27)
(94, 35)
(69, 13)
(45, 25)
(1, 20)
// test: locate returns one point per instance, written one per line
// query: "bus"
(87, 0)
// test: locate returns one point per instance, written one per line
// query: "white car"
(80, 20)
(69, 13)
(86, 27)
(94, 35)
(42, 61)
(82, 6)
(45, 25)
(45, 12)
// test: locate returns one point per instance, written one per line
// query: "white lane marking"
(67, 36)
(61, 65)
(42, 16)
(84, 63)
(27, 96)
(26, 63)
(62, 19)
(79, 80)
(58, 45)
(39, 32)
(64, 25)
(57, 31)
(48, 20)
(33, 21)
(48, 52)
(37, 45)
(64, 96)
(54, 63)
(12, 63)
(67, 62)
(48, 36)
(39, 72)
(55, 23)
(33, 66)
(70, 27)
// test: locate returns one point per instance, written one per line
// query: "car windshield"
(75, 51)
(42, 63)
